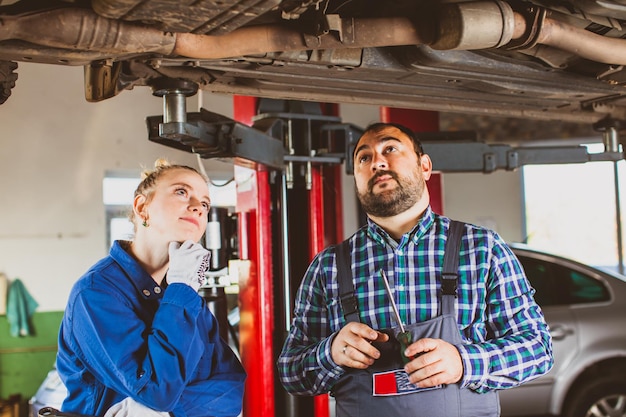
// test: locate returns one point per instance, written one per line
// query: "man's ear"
(427, 166)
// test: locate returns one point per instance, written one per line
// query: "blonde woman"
(136, 338)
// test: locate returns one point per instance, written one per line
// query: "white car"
(585, 309)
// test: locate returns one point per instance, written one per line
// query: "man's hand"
(352, 346)
(438, 362)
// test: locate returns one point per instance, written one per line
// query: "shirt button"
(157, 290)
(146, 292)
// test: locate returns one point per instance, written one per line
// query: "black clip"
(448, 284)
(349, 304)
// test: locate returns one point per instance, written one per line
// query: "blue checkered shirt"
(506, 339)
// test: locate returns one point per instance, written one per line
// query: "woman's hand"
(188, 263)
(131, 408)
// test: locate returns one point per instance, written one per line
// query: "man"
(485, 335)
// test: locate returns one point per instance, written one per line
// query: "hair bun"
(161, 162)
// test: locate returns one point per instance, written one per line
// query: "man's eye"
(390, 149)
(364, 158)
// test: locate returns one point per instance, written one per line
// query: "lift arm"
(481, 157)
(214, 136)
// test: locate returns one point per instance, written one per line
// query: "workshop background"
(57, 149)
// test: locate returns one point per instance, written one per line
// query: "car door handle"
(560, 331)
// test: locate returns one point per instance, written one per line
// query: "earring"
(145, 223)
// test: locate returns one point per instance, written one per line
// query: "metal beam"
(470, 156)
(215, 136)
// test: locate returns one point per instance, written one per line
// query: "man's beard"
(390, 202)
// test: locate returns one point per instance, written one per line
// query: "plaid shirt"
(506, 339)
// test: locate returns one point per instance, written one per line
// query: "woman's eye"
(206, 206)
(181, 191)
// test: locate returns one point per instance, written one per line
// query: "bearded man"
(389, 325)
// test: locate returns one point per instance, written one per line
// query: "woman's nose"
(196, 205)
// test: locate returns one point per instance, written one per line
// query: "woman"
(136, 338)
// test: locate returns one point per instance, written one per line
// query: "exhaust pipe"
(461, 26)
(583, 43)
(455, 26)
(355, 33)
(83, 30)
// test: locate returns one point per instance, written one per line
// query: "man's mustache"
(371, 182)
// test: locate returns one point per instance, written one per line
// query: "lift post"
(284, 222)
(610, 129)
(309, 200)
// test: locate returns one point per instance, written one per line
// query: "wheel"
(601, 397)
(7, 79)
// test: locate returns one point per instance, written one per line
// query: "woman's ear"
(140, 207)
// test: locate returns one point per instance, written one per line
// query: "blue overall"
(358, 395)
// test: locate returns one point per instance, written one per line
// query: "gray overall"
(354, 393)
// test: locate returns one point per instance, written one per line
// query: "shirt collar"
(142, 281)
(379, 235)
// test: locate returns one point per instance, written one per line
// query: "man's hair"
(378, 126)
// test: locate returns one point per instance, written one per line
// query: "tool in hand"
(403, 337)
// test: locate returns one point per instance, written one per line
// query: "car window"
(586, 289)
(559, 285)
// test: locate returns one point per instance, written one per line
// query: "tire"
(601, 397)
(7, 79)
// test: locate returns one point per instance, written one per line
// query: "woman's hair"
(149, 179)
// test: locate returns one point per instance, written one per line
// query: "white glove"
(188, 263)
(131, 408)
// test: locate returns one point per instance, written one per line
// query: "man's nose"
(379, 163)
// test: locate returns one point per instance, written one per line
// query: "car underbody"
(548, 60)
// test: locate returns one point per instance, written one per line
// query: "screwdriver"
(403, 337)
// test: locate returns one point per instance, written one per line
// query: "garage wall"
(56, 148)
(490, 200)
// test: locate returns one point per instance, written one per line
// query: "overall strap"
(449, 273)
(346, 285)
